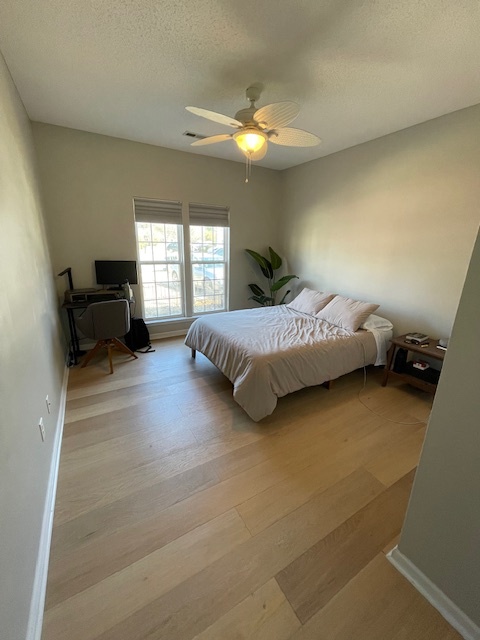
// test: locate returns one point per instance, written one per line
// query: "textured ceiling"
(127, 68)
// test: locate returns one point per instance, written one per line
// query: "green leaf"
(282, 301)
(264, 264)
(255, 289)
(265, 301)
(282, 282)
(269, 269)
(275, 259)
(257, 257)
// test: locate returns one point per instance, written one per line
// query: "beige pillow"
(310, 301)
(346, 313)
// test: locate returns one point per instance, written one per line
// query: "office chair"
(105, 322)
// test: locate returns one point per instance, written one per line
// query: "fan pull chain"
(248, 167)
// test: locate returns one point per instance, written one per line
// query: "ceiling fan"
(256, 127)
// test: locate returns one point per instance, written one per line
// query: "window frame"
(153, 263)
(209, 215)
(226, 265)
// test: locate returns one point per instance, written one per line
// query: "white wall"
(441, 534)
(391, 221)
(31, 363)
(89, 182)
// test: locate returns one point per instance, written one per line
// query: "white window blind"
(205, 215)
(158, 211)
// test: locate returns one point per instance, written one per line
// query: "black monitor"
(116, 272)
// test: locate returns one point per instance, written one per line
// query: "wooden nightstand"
(426, 380)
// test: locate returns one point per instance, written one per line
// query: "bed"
(270, 352)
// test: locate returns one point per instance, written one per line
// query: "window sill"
(166, 321)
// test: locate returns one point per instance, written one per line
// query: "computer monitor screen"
(116, 272)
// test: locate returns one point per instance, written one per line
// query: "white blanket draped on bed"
(272, 351)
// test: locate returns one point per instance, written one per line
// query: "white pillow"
(376, 322)
(310, 301)
(346, 313)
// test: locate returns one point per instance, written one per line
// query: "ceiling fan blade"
(276, 115)
(293, 137)
(212, 139)
(216, 117)
(260, 154)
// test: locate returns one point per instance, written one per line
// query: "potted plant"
(269, 266)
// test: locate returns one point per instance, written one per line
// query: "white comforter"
(269, 352)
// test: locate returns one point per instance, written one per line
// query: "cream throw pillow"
(310, 301)
(346, 313)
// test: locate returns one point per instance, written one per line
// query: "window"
(209, 259)
(183, 268)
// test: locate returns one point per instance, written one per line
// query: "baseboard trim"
(448, 609)
(168, 334)
(37, 603)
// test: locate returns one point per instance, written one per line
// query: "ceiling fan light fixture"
(250, 140)
(256, 127)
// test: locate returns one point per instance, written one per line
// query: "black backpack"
(138, 338)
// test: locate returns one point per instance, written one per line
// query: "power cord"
(372, 410)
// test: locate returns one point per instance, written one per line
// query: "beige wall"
(31, 363)
(441, 534)
(89, 182)
(391, 221)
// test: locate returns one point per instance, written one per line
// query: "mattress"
(270, 352)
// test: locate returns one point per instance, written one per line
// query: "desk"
(75, 350)
(70, 307)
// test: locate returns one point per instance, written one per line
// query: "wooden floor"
(177, 517)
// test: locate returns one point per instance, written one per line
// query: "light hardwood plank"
(312, 580)
(94, 431)
(90, 388)
(296, 437)
(158, 460)
(398, 401)
(156, 440)
(263, 509)
(399, 460)
(156, 411)
(378, 604)
(88, 614)
(71, 572)
(141, 505)
(126, 408)
(82, 490)
(194, 605)
(264, 615)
